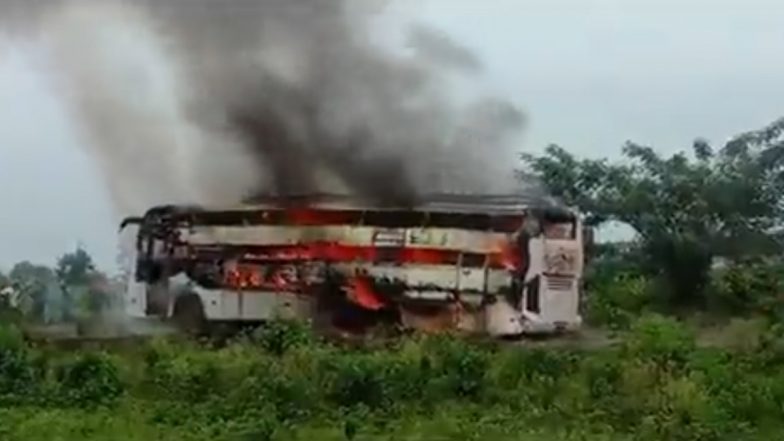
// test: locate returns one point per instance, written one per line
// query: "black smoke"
(297, 86)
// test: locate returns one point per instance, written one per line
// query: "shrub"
(89, 380)
(358, 380)
(190, 376)
(615, 301)
(681, 410)
(11, 338)
(459, 368)
(279, 336)
(656, 385)
(256, 428)
(289, 396)
(660, 339)
(21, 377)
(748, 287)
(405, 379)
(602, 375)
(551, 363)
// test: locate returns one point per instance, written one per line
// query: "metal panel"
(501, 319)
(230, 304)
(491, 204)
(438, 238)
(563, 257)
(276, 235)
(498, 279)
(389, 237)
(536, 249)
(222, 304)
(135, 298)
(434, 276)
(212, 303)
(259, 305)
(293, 306)
(427, 237)
(428, 295)
(471, 279)
(391, 272)
(559, 297)
(441, 276)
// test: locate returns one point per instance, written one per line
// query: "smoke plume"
(217, 101)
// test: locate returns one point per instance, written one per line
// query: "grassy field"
(282, 384)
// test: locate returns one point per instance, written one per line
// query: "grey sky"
(589, 74)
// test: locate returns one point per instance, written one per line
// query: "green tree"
(75, 268)
(79, 279)
(685, 210)
(33, 282)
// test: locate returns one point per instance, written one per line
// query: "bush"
(11, 338)
(406, 374)
(616, 300)
(602, 376)
(279, 336)
(90, 379)
(187, 375)
(21, 377)
(682, 410)
(660, 339)
(748, 287)
(359, 381)
(258, 428)
(656, 385)
(459, 369)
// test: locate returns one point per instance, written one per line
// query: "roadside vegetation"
(281, 383)
(694, 303)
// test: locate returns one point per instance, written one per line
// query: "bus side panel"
(136, 299)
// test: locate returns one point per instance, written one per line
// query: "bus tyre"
(188, 314)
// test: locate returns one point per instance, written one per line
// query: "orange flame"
(507, 256)
(361, 292)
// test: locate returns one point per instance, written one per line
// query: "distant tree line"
(41, 293)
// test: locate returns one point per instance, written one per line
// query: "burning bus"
(497, 265)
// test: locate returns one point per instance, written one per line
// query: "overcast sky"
(589, 75)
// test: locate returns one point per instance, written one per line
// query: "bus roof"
(494, 204)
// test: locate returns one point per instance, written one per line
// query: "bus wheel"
(188, 314)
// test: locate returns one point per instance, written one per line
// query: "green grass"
(132, 422)
(282, 384)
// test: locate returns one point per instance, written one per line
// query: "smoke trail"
(264, 96)
(442, 50)
(123, 93)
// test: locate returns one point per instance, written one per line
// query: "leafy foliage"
(280, 336)
(748, 287)
(658, 384)
(75, 268)
(88, 380)
(44, 294)
(80, 282)
(616, 300)
(685, 211)
(18, 376)
(660, 339)
(34, 283)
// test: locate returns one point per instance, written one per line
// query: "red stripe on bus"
(505, 258)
